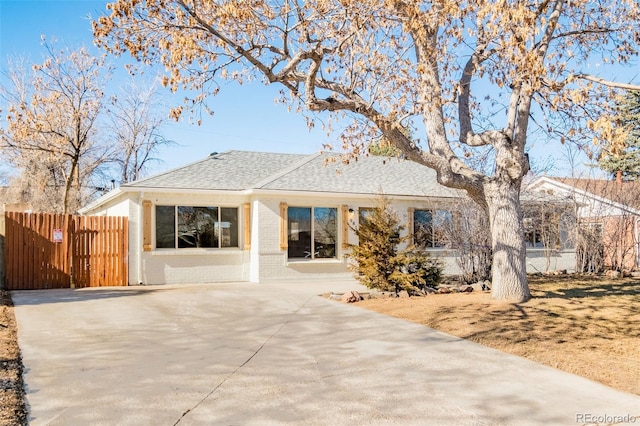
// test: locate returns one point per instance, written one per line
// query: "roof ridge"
(286, 170)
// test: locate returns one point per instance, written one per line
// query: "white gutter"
(349, 195)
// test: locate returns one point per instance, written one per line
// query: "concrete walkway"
(256, 354)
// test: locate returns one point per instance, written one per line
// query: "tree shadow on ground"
(583, 325)
(589, 286)
(39, 297)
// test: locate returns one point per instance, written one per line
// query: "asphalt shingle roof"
(231, 170)
(368, 175)
(243, 170)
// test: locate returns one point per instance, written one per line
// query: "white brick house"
(251, 216)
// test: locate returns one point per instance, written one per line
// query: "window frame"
(535, 232)
(363, 213)
(434, 213)
(532, 235)
(313, 253)
(217, 233)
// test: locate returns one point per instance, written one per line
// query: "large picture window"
(430, 228)
(312, 232)
(188, 226)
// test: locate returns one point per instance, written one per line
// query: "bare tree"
(589, 248)
(468, 234)
(39, 181)
(135, 126)
(51, 133)
(472, 72)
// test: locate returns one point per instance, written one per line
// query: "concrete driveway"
(256, 354)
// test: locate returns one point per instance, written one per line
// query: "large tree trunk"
(507, 239)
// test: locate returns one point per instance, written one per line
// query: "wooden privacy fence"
(45, 250)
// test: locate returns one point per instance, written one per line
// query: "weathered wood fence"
(45, 250)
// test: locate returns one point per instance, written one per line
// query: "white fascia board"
(260, 192)
(539, 181)
(189, 191)
(145, 190)
(100, 201)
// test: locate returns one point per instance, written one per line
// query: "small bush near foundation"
(378, 262)
(416, 271)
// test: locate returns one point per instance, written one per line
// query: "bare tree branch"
(605, 82)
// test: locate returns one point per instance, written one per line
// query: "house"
(608, 213)
(255, 216)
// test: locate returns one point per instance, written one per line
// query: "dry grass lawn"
(588, 326)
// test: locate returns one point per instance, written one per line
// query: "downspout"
(140, 236)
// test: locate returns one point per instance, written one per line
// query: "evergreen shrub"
(378, 262)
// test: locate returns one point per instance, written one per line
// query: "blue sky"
(245, 116)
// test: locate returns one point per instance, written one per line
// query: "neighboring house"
(252, 216)
(608, 214)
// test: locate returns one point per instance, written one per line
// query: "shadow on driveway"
(274, 354)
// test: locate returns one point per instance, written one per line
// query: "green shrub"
(416, 270)
(378, 262)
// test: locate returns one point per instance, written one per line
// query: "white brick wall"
(195, 266)
(266, 261)
(269, 263)
(135, 241)
(537, 262)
